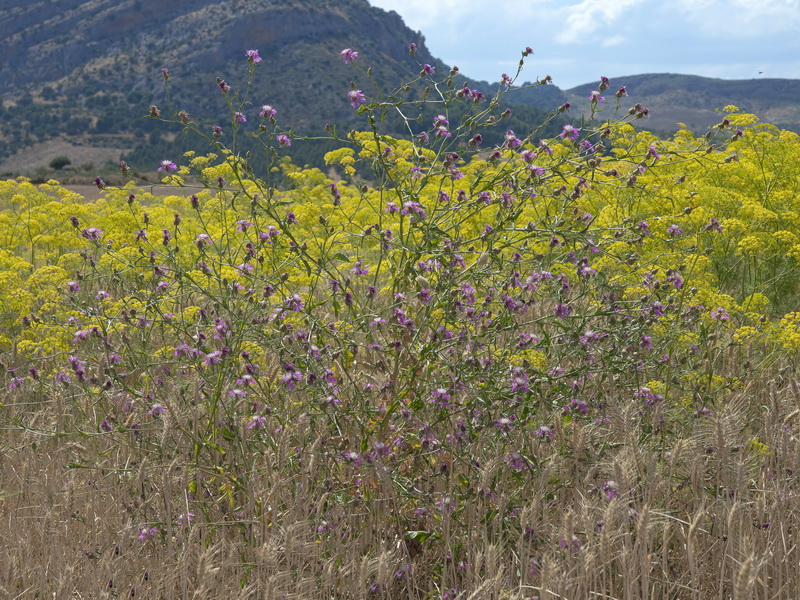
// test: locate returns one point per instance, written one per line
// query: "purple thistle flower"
(511, 140)
(216, 131)
(595, 97)
(294, 303)
(646, 343)
(610, 489)
(639, 111)
(519, 381)
(224, 87)
(156, 409)
(441, 131)
(185, 518)
(239, 117)
(412, 48)
(348, 55)
(569, 132)
(167, 166)
(92, 233)
(562, 310)
(505, 424)
(428, 70)
(203, 239)
(291, 375)
(440, 397)
(720, 314)
(283, 140)
(73, 286)
(674, 230)
(516, 461)
(257, 422)
(356, 97)
(505, 80)
(359, 269)
(252, 56)
(267, 111)
(213, 358)
(146, 534)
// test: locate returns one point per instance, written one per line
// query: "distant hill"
(692, 100)
(77, 77)
(84, 72)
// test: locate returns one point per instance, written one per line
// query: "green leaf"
(420, 536)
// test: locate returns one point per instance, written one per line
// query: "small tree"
(59, 162)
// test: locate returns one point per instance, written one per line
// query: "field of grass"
(558, 368)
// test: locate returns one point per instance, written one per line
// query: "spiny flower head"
(252, 56)
(569, 132)
(356, 97)
(348, 55)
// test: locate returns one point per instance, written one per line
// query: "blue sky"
(578, 41)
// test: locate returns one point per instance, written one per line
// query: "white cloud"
(613, 41)
(422, 15)
(585, 18)
(576, 41)
(740, 18)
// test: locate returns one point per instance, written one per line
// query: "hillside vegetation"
(87, 71)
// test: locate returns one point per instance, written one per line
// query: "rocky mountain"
(77, 77)
(84, 72)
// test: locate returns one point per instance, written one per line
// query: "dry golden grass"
(713, 516)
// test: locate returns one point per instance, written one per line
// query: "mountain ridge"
(84, 72)
(81, 70)
(695, 100)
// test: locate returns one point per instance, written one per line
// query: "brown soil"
(27, 160)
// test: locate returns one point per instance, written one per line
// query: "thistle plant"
(437, 336)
